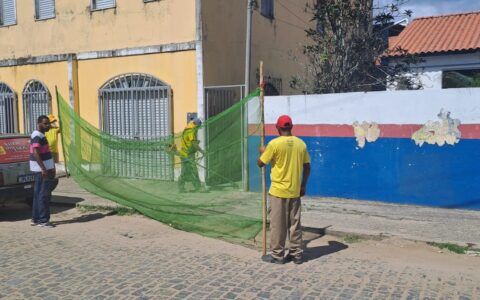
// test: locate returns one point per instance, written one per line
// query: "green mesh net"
(197, 180)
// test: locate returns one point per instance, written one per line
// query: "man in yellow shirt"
(52, 137)
(189, 147)
(290, 163)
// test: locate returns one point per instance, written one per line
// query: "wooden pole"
(61, 127)
(264, 178)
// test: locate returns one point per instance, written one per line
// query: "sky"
(423, 8)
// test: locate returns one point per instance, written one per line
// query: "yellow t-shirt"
(52, 138)
(188, 138)
(287, 154)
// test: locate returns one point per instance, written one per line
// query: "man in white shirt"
(41, 162)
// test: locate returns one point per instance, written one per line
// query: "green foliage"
(450, 247)
(125, 211)
(351, 238)
(347, 49)
(475, 81)
(461, 79)
(117, 210)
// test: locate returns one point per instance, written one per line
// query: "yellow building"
(136, 68)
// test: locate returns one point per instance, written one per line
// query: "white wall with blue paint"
(412, 147)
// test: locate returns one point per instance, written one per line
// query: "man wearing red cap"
(289, 175)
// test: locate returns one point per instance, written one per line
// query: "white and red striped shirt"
(39, 141)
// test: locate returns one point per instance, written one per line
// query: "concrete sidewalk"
(69, 192)
(340, 217)
(406, 221)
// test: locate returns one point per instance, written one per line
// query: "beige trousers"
(285, 217)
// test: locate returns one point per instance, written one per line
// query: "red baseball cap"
(284, 122)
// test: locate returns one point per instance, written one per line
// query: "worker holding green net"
(190, 145)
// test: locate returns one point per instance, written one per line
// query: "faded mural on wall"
(444, 131)
(365, 132)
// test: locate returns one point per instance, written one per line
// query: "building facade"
(123, 64)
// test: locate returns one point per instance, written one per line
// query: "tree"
(348, 49)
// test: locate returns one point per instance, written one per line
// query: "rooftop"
(440, 34)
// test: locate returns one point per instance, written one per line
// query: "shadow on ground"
(309, 234)
(84, 218)
(65, 200)
(12, 211)
(311, 253)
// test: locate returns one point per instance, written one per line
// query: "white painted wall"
(388, 107)
(431, 79)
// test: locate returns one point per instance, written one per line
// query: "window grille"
(8, 14)
(44, 9)
(137, 107)
(36, 102)
(102, 4)
(8, 109)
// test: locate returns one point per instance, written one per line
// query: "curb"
(364, 236)
(313, 230)
(104, 208)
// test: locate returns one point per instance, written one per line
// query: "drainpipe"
(248, 45)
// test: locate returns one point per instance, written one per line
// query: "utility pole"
(248, 43)
(248, 46)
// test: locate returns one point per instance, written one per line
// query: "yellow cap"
(52, 118)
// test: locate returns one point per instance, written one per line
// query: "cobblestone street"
(93, 255)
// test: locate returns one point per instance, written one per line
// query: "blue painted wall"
(391, 170)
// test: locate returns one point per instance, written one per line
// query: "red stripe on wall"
(398, 131)
(315, 130)
(469, 131)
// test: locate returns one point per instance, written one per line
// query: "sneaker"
(46, 225)
(273, 260)
(298, 260)
(33, 223)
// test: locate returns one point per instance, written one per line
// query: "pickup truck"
(16, 179)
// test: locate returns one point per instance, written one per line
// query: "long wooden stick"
(264, 178)
(61, 126)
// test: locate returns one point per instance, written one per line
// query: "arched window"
(137, 106)
(8, 109)
(36, 102)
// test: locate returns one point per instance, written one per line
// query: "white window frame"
(93, 6)
(37, 11)
(2, 14)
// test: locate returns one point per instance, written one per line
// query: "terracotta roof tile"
(440, 34)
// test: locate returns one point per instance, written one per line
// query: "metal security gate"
(8, 110)
(220, 98)
(217, 100)
(36, 102)
(136, 107)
